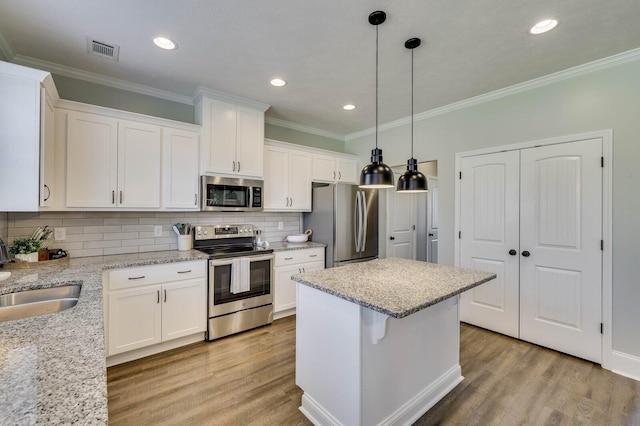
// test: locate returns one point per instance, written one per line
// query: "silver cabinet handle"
(158, 301)
(120, 197)
(313, 255)
(48, 193)
(196, 203)
(334, 175)
(299, 270)
(184, 272)
(339, 175)
(234, 166)
(238, 167)
(137, 278)
(165, 295)
(113, 197)
(288, 258)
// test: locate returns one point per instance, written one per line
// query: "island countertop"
(53, 367)
(394, 287)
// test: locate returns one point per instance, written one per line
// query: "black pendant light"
(412, 180)
(377, 174)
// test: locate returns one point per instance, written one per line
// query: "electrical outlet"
(59, 234)
(157, 231)
(280, 226)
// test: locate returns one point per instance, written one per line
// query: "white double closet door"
(534, 217)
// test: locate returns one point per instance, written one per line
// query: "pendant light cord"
(377, 86)
(411, 103)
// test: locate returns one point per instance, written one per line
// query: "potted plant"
(26, 249)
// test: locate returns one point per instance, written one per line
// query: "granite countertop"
(394, 287)
(285, 246)
(53, 367)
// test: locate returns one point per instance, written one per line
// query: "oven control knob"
(205, 232)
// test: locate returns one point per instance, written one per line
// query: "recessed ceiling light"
(278, 82)
(543, 26)
(165, 43)
(349, 107)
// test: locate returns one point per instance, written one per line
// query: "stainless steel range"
(240, 279)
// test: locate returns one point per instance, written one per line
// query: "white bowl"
(4, 275)
(298, 238)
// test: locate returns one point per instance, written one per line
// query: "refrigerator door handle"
(356, 219)
(363, 206)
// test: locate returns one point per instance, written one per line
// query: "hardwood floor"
(249, 379)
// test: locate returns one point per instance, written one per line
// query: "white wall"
(606, 99)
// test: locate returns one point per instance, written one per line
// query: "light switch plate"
(280, 225)
(157, 231)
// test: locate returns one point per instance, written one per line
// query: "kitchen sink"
(32, 303)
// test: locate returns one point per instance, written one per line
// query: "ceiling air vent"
(102, 49)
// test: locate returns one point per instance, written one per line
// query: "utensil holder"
(185, 242)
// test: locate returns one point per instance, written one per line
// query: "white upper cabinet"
(287, 179)
(328, 167)
(139, 149)
(92, 160)
(26, 125)
(112, 163)
(179, 169)
(232, 137)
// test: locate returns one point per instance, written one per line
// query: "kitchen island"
(378, 342)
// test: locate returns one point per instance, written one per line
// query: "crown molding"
(577, 71)
(302, 128)
(202, 91)
(101, 79)
(6, 48)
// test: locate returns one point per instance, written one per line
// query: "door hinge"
(601, 161)
(460, 175)
(459, 234)
(601, 328)
(602, 245)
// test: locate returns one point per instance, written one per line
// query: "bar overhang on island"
(378, 342)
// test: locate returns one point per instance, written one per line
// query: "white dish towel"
(240, 275)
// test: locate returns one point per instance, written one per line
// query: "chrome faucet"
(4, 256)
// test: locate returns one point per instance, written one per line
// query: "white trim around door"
(607, 211)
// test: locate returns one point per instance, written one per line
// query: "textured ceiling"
(325, 50)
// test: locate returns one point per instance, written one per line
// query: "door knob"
(512, 252)
(392, 238)
(526, 253)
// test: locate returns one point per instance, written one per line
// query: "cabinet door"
(299, 180)
(276, 173)
(324, 168)
(250, 142)
(138, 165)
(222, 138)
(180, 169)
(134, 319)
(348, 170)
(92, 160)
(184, 308)
(284, 296)
(47, 138)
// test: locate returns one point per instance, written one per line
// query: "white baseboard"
(405, 415)
(625, 365)
(152, 350)
(427, 398)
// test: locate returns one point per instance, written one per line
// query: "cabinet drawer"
(154, 274)
(291, 257)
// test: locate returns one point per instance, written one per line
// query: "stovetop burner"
(223, 241)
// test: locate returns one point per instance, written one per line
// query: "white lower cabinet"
(149, 309)
(286, 264)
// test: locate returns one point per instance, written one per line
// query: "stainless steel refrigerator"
(345, 218)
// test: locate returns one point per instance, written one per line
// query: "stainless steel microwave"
(223, 194)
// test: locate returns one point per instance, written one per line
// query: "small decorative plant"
(25, 246)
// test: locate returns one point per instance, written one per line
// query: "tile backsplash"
(103, 233)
